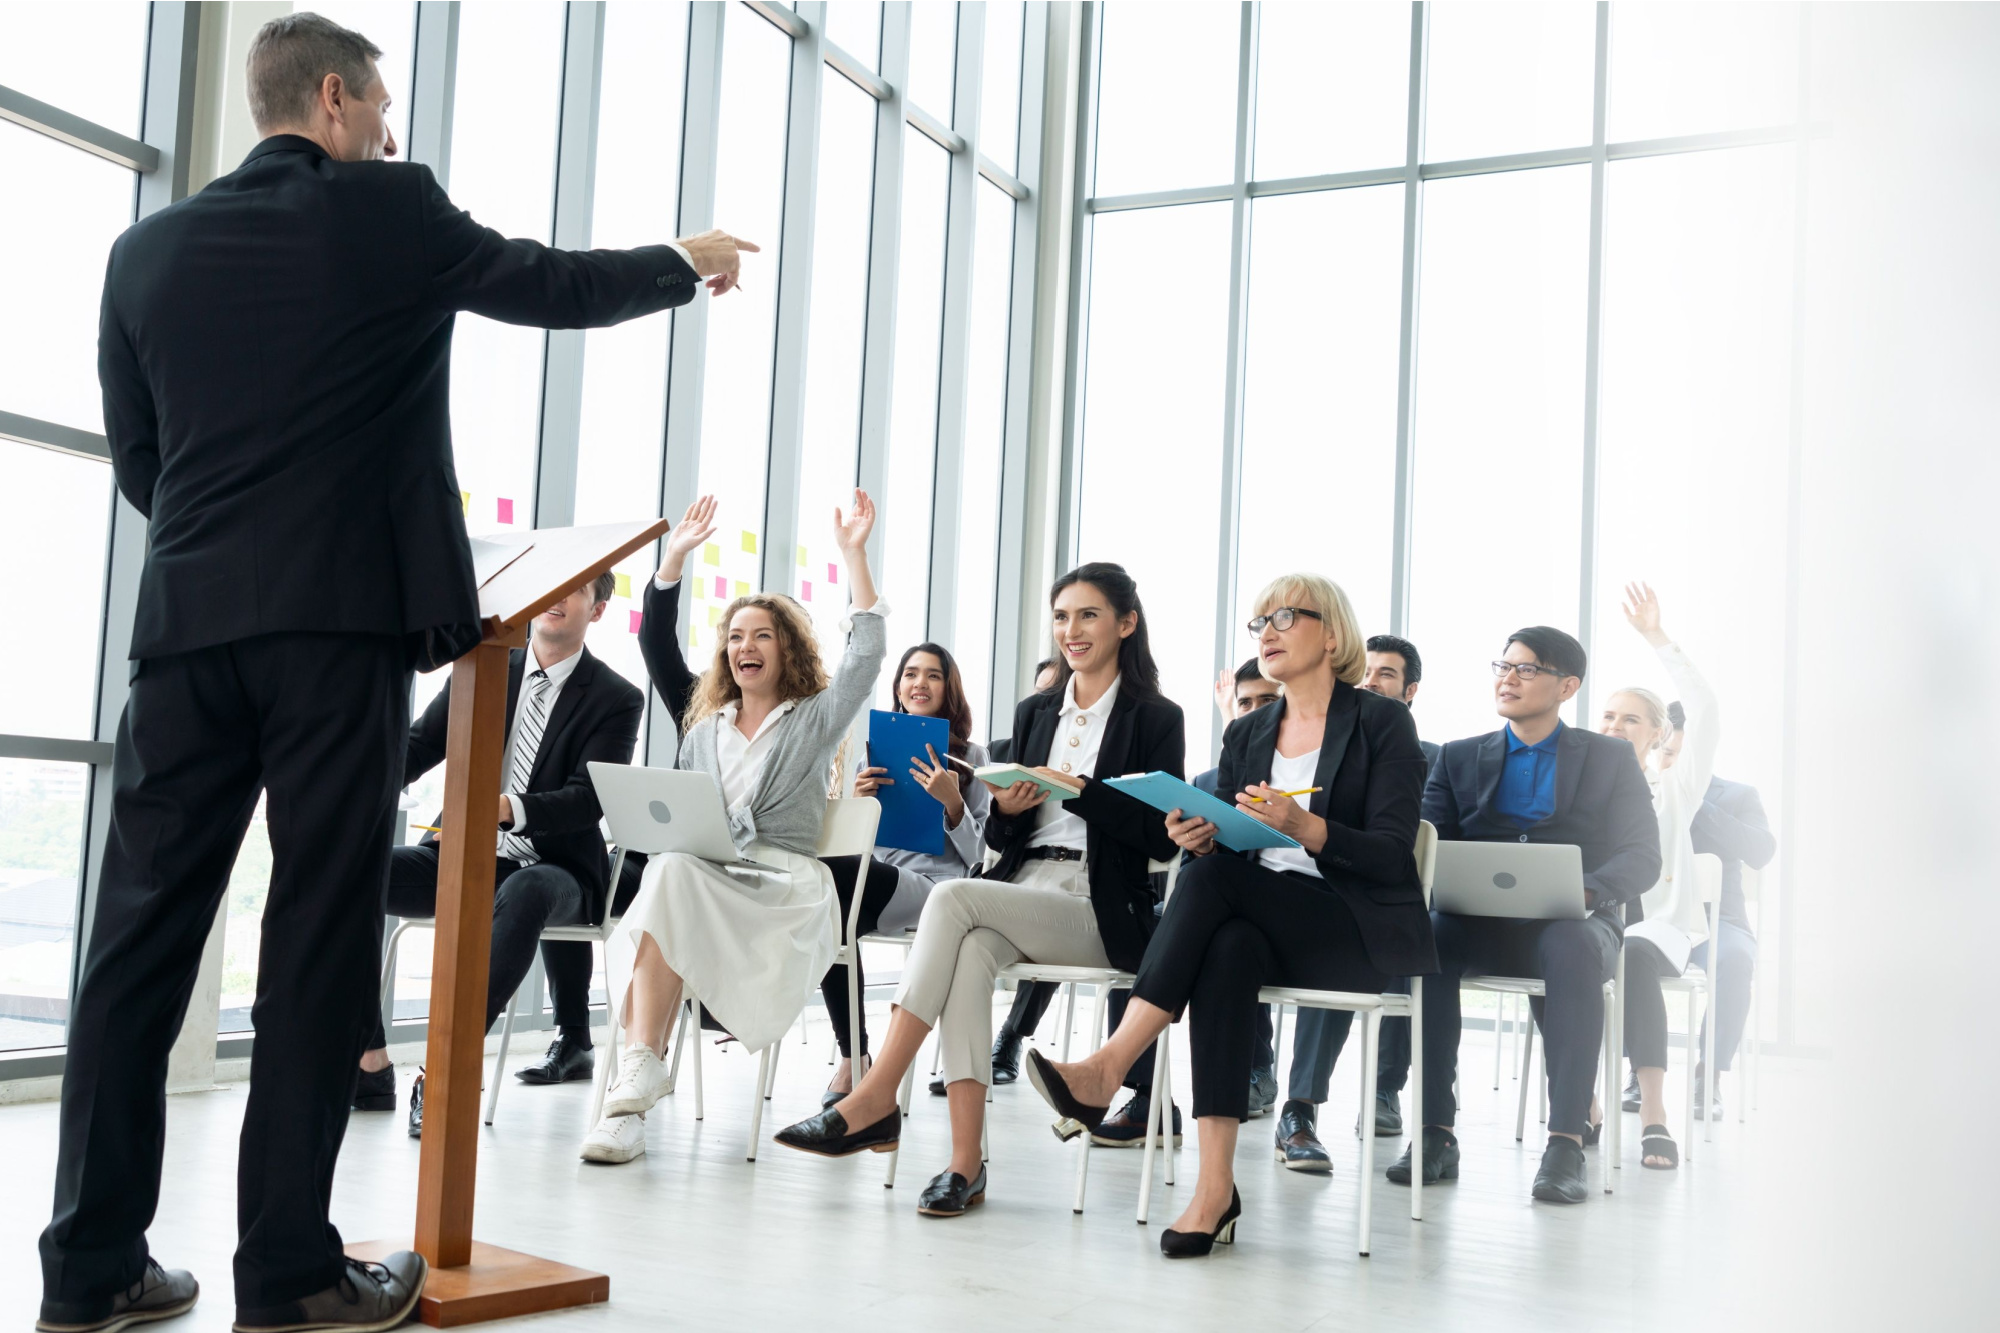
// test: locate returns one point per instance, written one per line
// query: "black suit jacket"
(1732, 825)
(1603, 806)
(275, 356)
(1371, 780)
(596, 717)
(1140, 736)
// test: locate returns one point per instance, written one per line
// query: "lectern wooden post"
(470, 1281)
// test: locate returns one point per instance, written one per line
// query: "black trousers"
(1733, 977)
(525, 899)
(317, 721)
(1392, 1061)
(1573, 958)
(878, 888)
(1030, 1003)
(568, 963)
(1646, 1004)
(1231, 928)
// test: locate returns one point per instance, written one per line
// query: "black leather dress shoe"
(1299, 1147)
(1562, 1179)
(1006, 1057)
(1440, 1158)
(827, 1134)
(376, 1091)
(157, 1294)
(369, 1298)
(1126, 1127)
(949, 1194)
(417, 1106)
(937, 1087)
(1388, 1113)
(565, 1062)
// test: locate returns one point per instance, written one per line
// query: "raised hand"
(697, 525)
(1642, 612)
(718, 258)
(1225, 695)
(851, 529)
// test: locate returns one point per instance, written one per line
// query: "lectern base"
(495, 1285)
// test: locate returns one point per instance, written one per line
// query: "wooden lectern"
(520, 576)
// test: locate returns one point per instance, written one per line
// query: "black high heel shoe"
(1081, 1119)
(1194, 1244)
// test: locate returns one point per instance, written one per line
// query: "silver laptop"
(1538, 881)
(655, 810)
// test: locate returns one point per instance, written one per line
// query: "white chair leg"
(1278, 1047)
(692, 1027)
(1687, 1102)
(1413, 1118)
(678, 1042)
(1516, 1017)
(1069, 1019)
(1521, 1107)
(1163, 1077)
(1614, 1114)
(600, 1077)
(1499, 1036)
(757, 1102)
(903, 1103)
(771, 1076)
(1154, 1117)
(1711, 1079)
(500, 1056)
(1542, 1088)
(1371, 1034)
(1097, 1021)
(1749, 1058)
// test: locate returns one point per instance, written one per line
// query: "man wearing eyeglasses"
(1536, 780)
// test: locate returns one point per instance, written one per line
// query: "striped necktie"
(527, 739)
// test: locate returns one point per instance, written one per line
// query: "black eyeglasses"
(1526, 670)
(1283, 618)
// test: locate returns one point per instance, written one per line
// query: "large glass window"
(503, 172)
(934, 57)
(1499, 427)
(1319, 427)
(41, 849)
(90, 60)
(1166, 100)
(1509, 77)
(1152, 428)
(1000, 89)
(53, 513)
(1332, 88)
(1694, 69)
(855, 26)
(736, 385)
(985, 438)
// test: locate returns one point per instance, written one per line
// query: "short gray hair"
(290, 58)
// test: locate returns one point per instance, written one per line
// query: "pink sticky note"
(805, 591)
(832, 572)
(721, 589)
(637, 616)
(506, 508)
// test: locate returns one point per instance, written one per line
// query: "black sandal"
(1657, 1134)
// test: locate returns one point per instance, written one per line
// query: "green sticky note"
(624, 582)
(802, 557)
(742, 589)
(750, 542)
(711, 554)
(694, 636)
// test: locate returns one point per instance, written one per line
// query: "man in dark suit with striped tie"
(565, 709)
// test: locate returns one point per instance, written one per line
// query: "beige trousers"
(970, 929)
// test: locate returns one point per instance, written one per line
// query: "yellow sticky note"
(802, 557)
(696, 585)
(750, 542)
(742, 589)
(694, 636)
(465, 501)
(624, 582)
(711, 554)
(714, 616)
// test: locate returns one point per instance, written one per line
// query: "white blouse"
(1291, 775)
(1079, 734)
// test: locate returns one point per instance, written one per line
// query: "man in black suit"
(275, 358)
(565, 711)
(1536, 780)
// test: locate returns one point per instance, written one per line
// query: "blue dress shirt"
(1527, 792)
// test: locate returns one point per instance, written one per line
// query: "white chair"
(1751, 1048)
(1700, 982)
(1372, 1009)
(848, 830)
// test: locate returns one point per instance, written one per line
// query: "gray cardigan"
(788, 804)
(963, 851)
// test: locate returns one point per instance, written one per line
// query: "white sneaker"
(617, 1138)
(642, 1080)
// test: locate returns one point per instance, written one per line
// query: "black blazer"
(275, 355)
(1371, 776)
(1603, 805)
(1732, 825)
(1141, 736)
(596, 717)
(660, 646)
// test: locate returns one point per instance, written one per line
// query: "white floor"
(695, 1237)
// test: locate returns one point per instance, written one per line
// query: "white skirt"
(752, 945)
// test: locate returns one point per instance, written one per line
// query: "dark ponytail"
(1136, 669)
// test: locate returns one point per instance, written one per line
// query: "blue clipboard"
(1233, 829)
(912, 818)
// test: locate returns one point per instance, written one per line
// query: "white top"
(1675, 902)
(1079, 733)
(742, 757)
(557, 674)
(1291, 775)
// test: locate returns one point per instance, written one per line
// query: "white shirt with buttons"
(1079, 733)
(558, 675)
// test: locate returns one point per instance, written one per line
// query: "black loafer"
(565, 1062)
(937, 1087)
(1388, 1113)
(1440, 1158)
(1299, 1147)
(949, 1194)
(369, 1298)
(158, 1293)
(1076, 1117)
(827, 1134)
(1006, 1057)
(376, 1091)
(1562, 1178)
(417, 1106)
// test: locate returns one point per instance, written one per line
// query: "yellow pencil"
(427, 828)
(1303, 791)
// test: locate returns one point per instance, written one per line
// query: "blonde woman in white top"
(1658, 946)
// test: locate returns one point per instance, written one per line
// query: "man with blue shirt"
(1536, 780)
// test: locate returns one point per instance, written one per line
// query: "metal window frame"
(33, 114)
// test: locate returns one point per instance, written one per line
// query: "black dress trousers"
(316, 721)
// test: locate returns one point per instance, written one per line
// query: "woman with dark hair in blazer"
(1345, 912)
(1070, 887)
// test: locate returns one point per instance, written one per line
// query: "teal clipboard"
(1233, 829)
